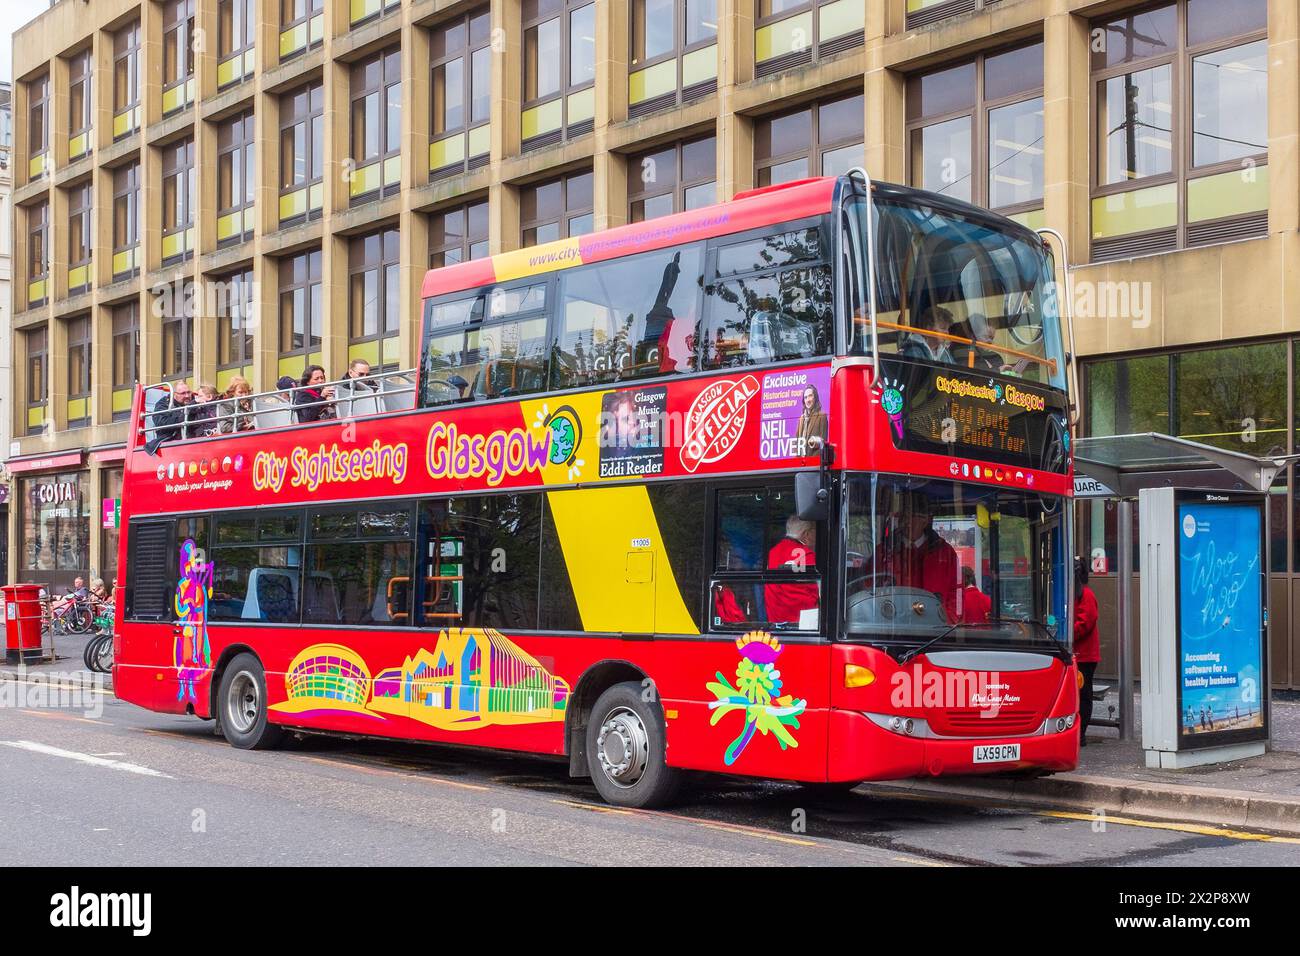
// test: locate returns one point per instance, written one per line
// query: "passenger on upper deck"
(203, 413)
(357, 383)
(929, 348)
(235, 414)
(312, 402)
(170, 414)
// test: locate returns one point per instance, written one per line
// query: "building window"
(79, 354)
(825, 139)
(923, 12)
(374, 299)
(38, 254)
(236, 29)
(559, 71)
(300, 312)
(126, 80)
(458, 235)
(674, 55)
(359, 11)
(376, 126)
(302, 154)
(1181, 125)
(673, 179)
(178, 55)
(790, 33)
(462, 94)
(177, 329)
(975, 132)
(234, 307)
(236, 179)
(81, 238)
(55, 526)
(38, 126)
(178, 201)
(126, 221)
(81, 106)
(38, 383)
(126, 356)
(559, 209)
(302, 26)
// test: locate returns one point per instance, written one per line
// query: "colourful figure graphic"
(757, 694)
(192, 655)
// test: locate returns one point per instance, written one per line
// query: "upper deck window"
(960, 292)
(628, 318)
(772, 301)
(488, 345)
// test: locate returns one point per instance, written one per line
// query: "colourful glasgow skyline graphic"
(473, 677)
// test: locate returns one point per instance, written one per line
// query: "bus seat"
(271, 413)
(320, 600)
(272, 595)
(362, 405)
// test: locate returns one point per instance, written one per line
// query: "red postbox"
(22, 607)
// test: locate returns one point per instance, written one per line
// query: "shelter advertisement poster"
(1222, 621)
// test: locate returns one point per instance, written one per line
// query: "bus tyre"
(625, 749)
(241, 705)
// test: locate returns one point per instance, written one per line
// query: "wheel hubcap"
(623, 747)
(243, 703)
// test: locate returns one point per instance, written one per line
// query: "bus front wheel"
(626, 749)
(242, 704)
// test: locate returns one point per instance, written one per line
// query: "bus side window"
(771, 301)
(765, 564)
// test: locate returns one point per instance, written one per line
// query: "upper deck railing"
(164, 421)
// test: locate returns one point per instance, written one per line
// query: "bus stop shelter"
(1117, 467)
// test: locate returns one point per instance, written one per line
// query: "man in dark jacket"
(170, 414)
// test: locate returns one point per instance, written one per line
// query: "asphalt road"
(132, 787)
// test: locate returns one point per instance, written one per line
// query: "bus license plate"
(997, 753)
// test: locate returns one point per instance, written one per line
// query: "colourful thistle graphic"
(192, 655)
(888, 394)
(757, 694)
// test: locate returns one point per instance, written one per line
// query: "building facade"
(210, 188)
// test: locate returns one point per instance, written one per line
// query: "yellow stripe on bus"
(618, 567)
(537, 260)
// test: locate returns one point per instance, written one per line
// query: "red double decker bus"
(775, 488)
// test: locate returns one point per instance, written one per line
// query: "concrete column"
(735, 133)
(334, 304)
(58, 243)
(416, 83)
(101, 369)
(266, 322)
(58, 361)
(339, 161)
(151, 316)
(58, 113)
(507, 80)
(883, 99)
(1283, 116)
(151, 208)
(612, 46)
(204, 46)
(413, 245)
(101, 90)
(204, 330)
(1067, 146)
(151, 61)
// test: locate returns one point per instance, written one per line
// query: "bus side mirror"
(811, 496)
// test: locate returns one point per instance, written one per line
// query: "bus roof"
(748, 210)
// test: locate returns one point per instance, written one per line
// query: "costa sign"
(56, 492)
(716, 420)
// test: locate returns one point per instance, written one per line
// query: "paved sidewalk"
(67, 664)
(1259, 793)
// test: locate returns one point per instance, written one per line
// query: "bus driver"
(914, 555)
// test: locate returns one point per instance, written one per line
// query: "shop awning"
(70, 459)
(1119, 466)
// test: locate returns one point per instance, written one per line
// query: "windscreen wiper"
(907, 655)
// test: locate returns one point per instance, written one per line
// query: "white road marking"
(34, 747)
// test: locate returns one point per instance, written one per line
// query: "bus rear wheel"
(241, 704)
(626, 749)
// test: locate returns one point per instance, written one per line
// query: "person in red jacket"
(795, 552)
(976, 606)
(1087, 645)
